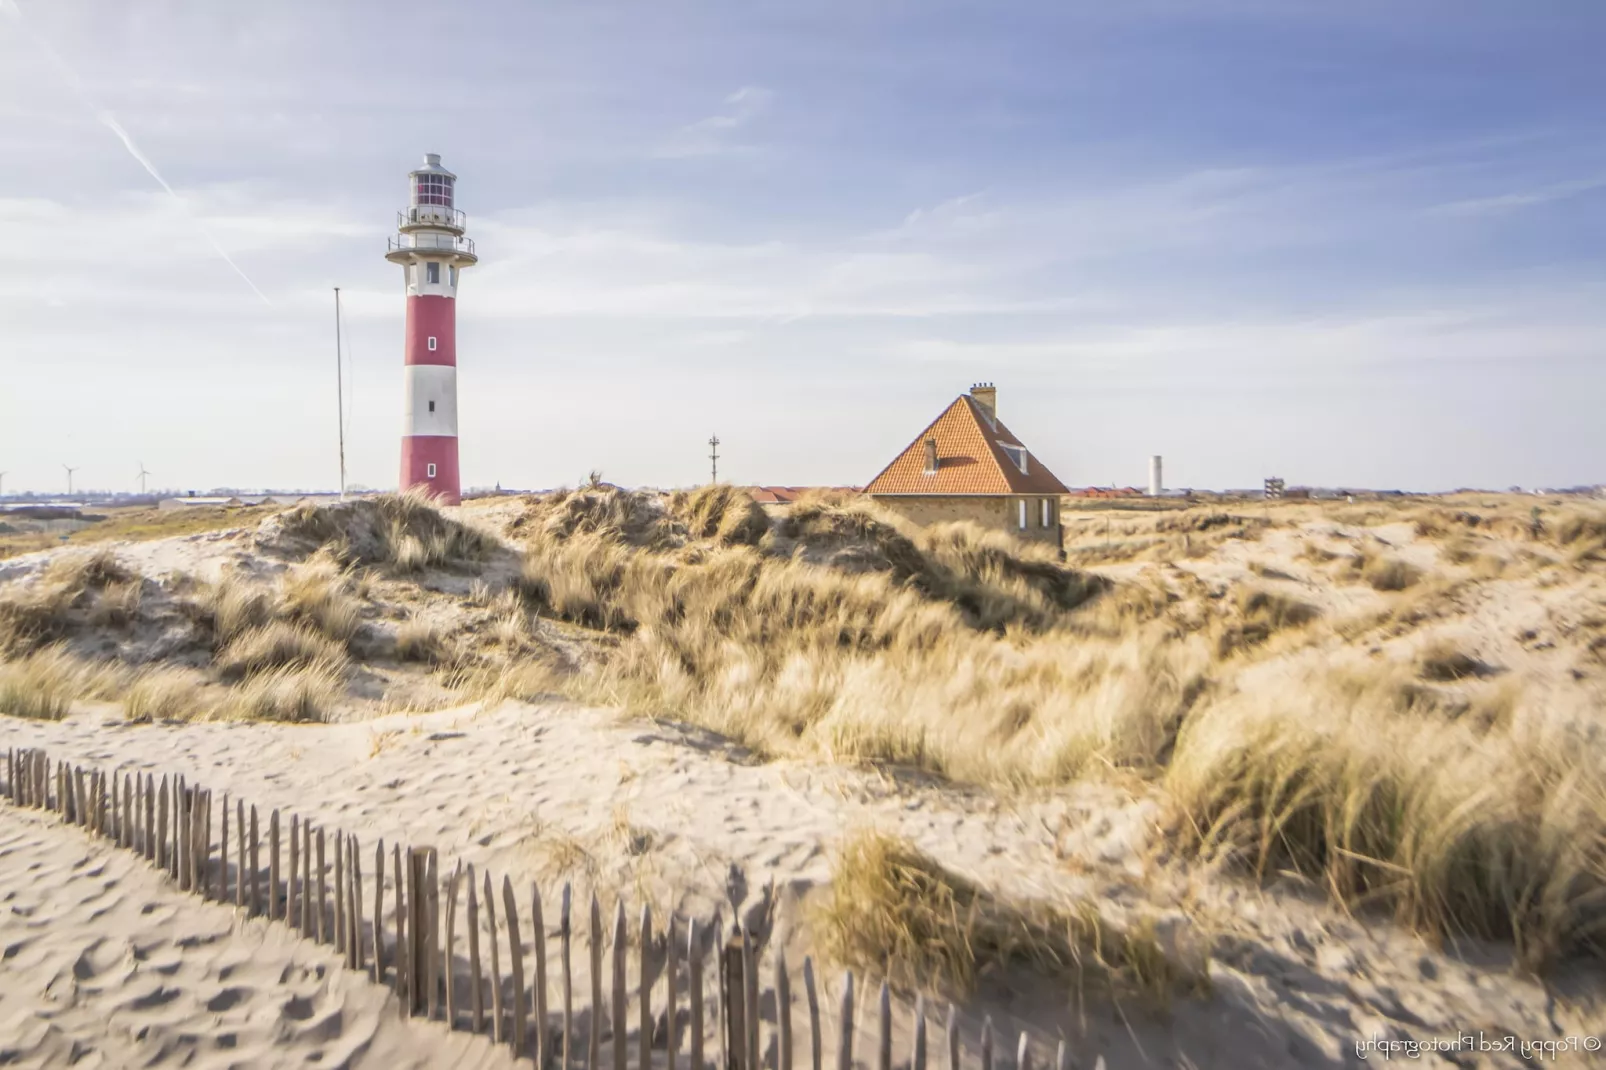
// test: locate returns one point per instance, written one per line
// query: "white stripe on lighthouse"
(431, 405)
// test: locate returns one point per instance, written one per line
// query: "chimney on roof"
(931, 456)
(986, 395)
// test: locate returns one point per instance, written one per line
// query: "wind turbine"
(142, 475)
(2, 484)
(70, 471)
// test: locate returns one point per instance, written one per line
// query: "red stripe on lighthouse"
(429, 317)
(421, 451)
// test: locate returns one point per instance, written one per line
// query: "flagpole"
(340, 396)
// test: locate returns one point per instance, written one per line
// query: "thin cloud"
(1511, 202)
(713, 134)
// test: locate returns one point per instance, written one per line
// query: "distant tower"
(431, 249)
(1156, 485)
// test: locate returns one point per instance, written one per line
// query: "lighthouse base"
(423, 453)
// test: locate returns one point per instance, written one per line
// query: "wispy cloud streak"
(109, 120)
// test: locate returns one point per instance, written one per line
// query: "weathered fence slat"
(256, 866)
(323, 889)
(644, 993)
(811, 990)
(206, 842)
(619, 1007)
(379, 920)
(290, 903)
(341, 933)
(476, 987)
(1023, 1054)
(308, 885)
(919, 1061)
(729, 1053)
(844, 1051)
(538, 924)
(749, 995)
(884, 1033)
(1062, 1057)
(432, 905)
(420, 865)
(594, 1046)
(275, 905)
(354, 904)
(451, 946)
(783, 1013)
(694, 984)
(497, 1029)
(953, 1037)
(510, 913)
(404, 984)
(671, 993)
(161, 824)
(987, 1043)
(565, 943)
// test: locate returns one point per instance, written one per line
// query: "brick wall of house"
(998, 513)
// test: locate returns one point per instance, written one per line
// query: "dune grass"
(43, 684)
(895, 912)
(276, 645)
(403, 532)
(1462, 827)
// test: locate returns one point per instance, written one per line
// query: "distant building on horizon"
(966, 465)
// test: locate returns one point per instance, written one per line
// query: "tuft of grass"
(1441, 661)
(894, 911)
(231, 606)
(317, 592)
(290, 693)
(1389, 574)
(165, 695)
(275, 645)
(420, 640)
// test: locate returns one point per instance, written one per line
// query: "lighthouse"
(430, 246)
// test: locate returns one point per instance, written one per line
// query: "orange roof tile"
(970, 459)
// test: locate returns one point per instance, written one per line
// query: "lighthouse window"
(432, 406)
(432, 343)
(453, 274)
(433, 271)
(433, 189)
(430, 471)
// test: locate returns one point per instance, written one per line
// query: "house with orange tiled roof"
(968, 466)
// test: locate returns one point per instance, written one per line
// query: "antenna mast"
(340, 396)
(713, 455)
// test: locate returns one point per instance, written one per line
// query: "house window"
(1016, 454)
(432, 343)
(1023, 514)
(430, 472)
(1048, 506)
(432, 409)
(433, 271)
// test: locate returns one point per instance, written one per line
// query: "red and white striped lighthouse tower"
(431, 248)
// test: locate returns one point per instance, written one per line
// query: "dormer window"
(931, 457)
(1016, 454)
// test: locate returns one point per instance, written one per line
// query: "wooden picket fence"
(181, 829)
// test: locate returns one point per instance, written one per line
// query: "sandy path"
(107, 964)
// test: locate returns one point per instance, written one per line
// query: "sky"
(1358, 243)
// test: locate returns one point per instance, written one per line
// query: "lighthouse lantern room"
(430, 246)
